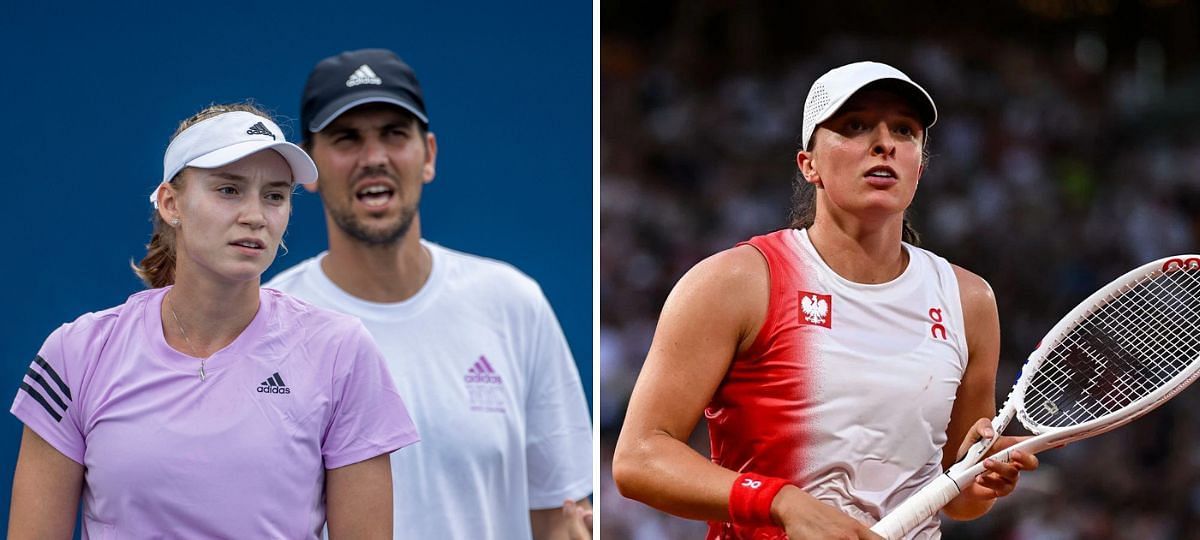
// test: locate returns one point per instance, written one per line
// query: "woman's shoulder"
(313, 328)
(300, 316)
(977, 298)
(735, 282)
(105, 321)
(737, 266)
(84, 338)
(972, 286)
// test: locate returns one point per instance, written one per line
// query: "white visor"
(226, 138)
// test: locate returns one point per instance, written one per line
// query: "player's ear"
(804, 162)
(311, 187)
(168, 201)
(430, 168)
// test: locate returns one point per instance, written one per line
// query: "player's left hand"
(999, 478)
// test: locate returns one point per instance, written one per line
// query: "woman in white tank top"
(752, 338)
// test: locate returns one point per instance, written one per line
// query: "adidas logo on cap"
(274, 385)
(363, 75)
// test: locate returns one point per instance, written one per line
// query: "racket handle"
(974, 455)
(917, 508)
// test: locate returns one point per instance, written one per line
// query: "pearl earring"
(175, 222)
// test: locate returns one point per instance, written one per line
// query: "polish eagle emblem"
(815, 308)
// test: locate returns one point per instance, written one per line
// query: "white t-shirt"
(489, 380)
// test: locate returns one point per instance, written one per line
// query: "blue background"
(91, 94)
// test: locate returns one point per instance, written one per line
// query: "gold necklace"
(171, 306)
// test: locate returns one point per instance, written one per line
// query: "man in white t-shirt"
(472, 343)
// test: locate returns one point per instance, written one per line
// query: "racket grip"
(917, 508)
(974, 455)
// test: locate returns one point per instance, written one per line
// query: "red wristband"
(750, 499)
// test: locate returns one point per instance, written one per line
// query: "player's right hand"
(1000, 478)
(803, 516)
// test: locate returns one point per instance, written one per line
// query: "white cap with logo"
(836, 86)
(226, 138)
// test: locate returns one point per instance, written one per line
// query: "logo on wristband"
(750, 499)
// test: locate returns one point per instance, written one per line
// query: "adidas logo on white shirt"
(363, 75)
(482, 372)
(485, 388)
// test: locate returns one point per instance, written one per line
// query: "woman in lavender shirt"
(208, 407)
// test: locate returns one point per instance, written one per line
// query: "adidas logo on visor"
(260, 129)
(363, 75)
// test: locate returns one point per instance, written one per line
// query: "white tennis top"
(848, 388)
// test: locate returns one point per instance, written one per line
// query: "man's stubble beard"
(349, 224)
(345, 219)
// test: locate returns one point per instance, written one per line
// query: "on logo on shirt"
(816, 309)
(937, 329)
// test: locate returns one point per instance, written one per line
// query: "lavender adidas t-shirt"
(242, 454)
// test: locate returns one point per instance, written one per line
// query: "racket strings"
(1136, 341)
(1097, 374)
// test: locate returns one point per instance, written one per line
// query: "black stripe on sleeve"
(53, 375)
(38, 397)
(33, 374)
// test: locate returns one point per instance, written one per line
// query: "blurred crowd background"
(1067, 151)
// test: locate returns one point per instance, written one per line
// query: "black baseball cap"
(340, 83)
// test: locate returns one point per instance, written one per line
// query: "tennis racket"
(1122, 352)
